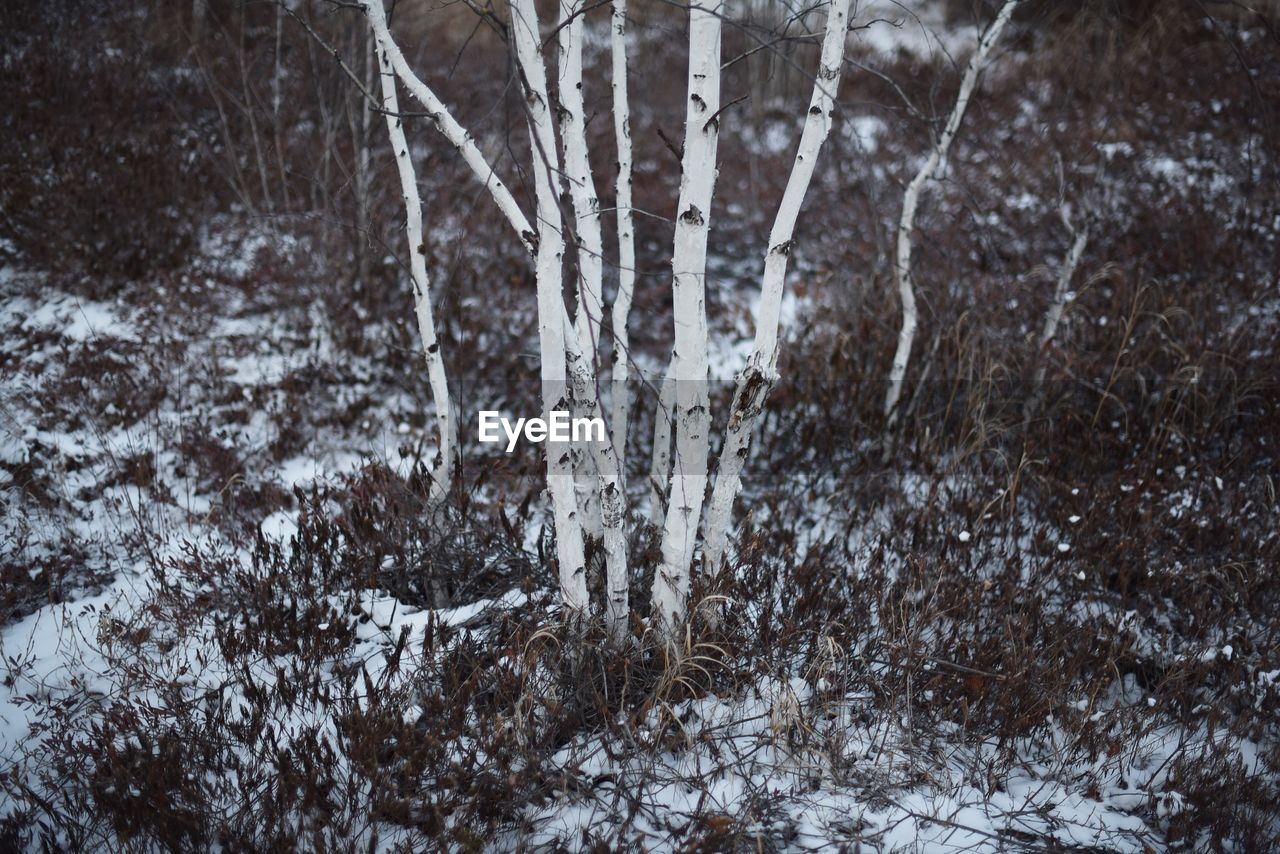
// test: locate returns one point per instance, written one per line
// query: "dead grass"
(1158, 434)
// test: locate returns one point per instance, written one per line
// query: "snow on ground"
(872, 780)
(113, 424)
(919, 28)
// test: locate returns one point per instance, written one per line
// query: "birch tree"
(617, 579)
(758, 378)
(592, 478)
(911, 200)
(589, 245)
(626, 233)
(1053, 316)
(688, 370)
(1080, 239)
(660, 462)
(597, 472)
(546, 245)
(446, 461)
(552, 330)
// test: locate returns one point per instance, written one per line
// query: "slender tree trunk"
(547, 247)
(451, 130)
(458, 137)
(617, 576)
(626, 235)
(689, 362)
(590, 245)
(577, 170)
(911, 199)
(551, 327)
(446, 463)
(611, 500)
(1052, 317)
(660, 463)
(760, 374)
(364, 184)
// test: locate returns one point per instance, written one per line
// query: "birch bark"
(546, 245)
(689, 361)
(446, 462)
(626, 235)
(760, 375)
(1052, 317)
(457, 136)
(911, 200)
(598, 473)
(590, 247)
(617, 576)
(660, 463)
(577, 167)
(449, 127)
(551, 326)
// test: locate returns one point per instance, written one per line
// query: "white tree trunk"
(577, 170)
(551, 326)
(760, 375)
(689, 362)
(911, 199)
(626, 236)
(660, 463)
(618, 578)
(590, 246)
(446, 462)
(449, 127)
(546, 245)
(598, 474)
(456, 135)
(610, 499)
(1053, 316)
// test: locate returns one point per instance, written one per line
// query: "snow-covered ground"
(226, 611)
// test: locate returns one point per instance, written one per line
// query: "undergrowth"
(1079, 593)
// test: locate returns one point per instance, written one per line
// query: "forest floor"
(228, 616)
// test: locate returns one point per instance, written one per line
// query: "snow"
(916, 28)
(865, 131)
(798, 742)
(71, 317)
